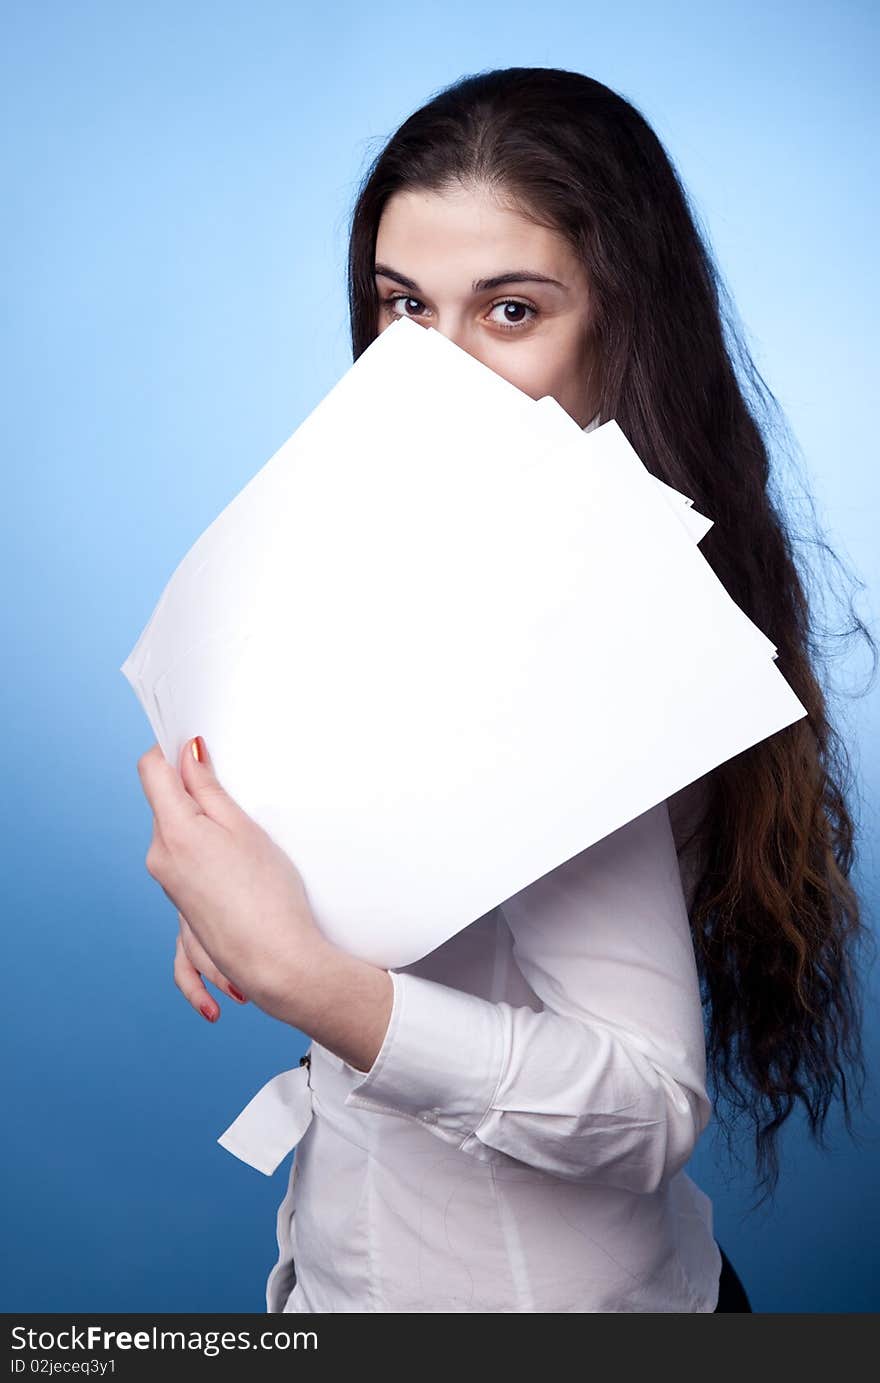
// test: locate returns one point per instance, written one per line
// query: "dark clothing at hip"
(731, 1293)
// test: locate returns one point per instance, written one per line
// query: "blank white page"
(436, 649)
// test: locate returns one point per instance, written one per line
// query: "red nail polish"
(208, 1012)
(237, 994)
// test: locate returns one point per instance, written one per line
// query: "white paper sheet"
(442, 642)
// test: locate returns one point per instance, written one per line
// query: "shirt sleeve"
(606, 1083)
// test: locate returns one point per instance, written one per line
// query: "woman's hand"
(245, 916)
(192, 966)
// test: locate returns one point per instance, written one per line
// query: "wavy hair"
(774, 916)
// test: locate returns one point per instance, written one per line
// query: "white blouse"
(519, 1142)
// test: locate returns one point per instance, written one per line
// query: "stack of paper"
(444, 640)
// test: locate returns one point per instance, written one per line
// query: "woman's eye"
(518, 323)
(390, 304)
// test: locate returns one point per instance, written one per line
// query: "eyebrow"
(478, 285)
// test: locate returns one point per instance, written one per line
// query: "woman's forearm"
(339, 1000)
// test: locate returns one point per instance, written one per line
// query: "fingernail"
(237, 994)
(199, 752)
(207, 1010)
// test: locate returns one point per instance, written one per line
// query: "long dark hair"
(775, 920)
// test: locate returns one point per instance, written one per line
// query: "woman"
(504, 1125)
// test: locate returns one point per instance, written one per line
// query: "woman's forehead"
(435, 235)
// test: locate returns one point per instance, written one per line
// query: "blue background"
(177, 179)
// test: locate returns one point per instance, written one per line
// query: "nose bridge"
(457, 334)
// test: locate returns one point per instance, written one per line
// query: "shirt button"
(429, 1116)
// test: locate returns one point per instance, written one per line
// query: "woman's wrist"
(342, 1002)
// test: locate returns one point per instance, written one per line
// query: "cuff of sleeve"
(441, 1059)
